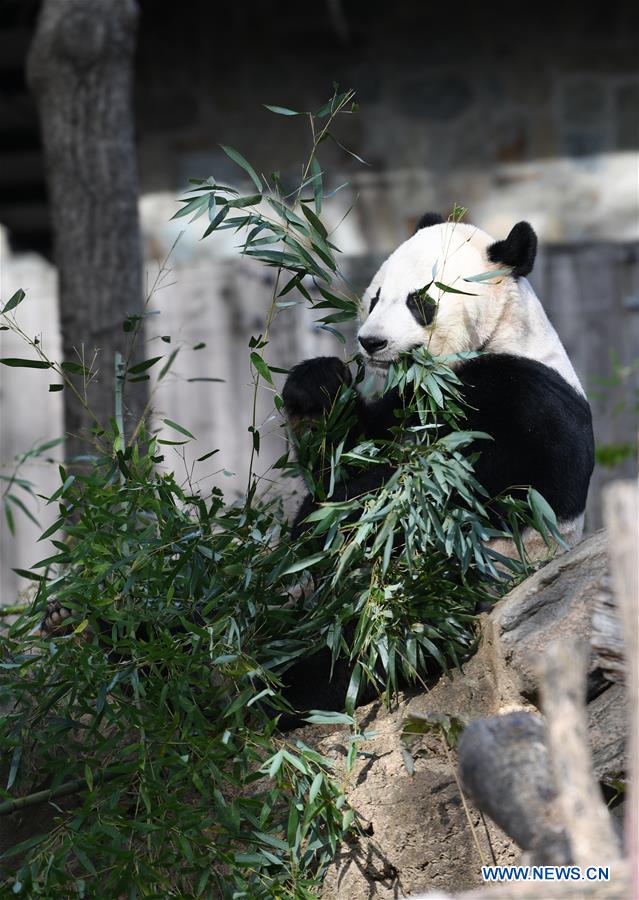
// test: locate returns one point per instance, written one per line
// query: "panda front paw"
(54, 623)
(58, 622)
(313, 385)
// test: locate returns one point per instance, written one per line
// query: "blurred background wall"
(529, 113)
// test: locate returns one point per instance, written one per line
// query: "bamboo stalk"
(13, 610)
(63, 790)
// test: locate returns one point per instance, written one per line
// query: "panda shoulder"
(505, 378)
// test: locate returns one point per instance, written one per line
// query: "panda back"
(541, 429)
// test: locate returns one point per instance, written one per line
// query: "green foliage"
(611, 455)
(415, 726)
(158, 711)
(172, 695)
(620, 397)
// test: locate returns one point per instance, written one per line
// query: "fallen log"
(506, 771)
(558, 808)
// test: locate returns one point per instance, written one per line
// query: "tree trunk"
(80, 70)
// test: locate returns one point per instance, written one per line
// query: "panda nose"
(372, 344)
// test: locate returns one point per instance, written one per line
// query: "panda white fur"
(522, 389)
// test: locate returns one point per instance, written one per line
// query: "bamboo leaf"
(314, 221)
(244, 164)
(75, 369)
(198, 203)
(353, 688)
(304, 564)
(191, 380)
(316, 785)
(179, 428)
(16, 300)
(219, 218)
(15, 765)
(281, 110)
(18, 502)
(166, 367)
(318, 187)
(451, 290)
(486, 276)
(261, 367)
(321, 717)
(18, 363)
(143, 366)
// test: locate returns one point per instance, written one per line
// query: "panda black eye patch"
(421, 306)
(374, 301)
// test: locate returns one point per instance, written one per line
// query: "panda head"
(404, 308)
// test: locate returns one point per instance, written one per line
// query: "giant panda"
(521, 388)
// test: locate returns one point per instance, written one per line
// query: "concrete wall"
(29, 415)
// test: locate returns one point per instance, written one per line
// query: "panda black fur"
(522, 390)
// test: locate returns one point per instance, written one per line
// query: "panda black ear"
(428, 219)
(518, 250)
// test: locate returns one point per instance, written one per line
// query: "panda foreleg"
(310, 393)
(312, 387)
(379, 416)
(374, 421)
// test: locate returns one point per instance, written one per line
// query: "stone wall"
(510, 114)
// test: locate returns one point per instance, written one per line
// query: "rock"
(418, 834)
